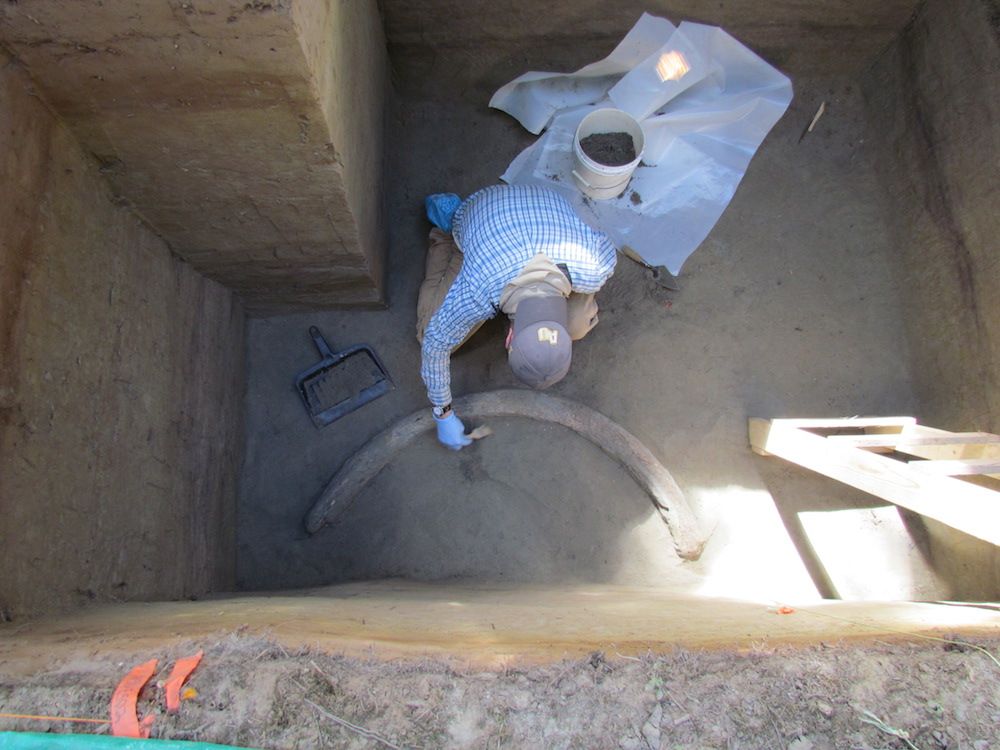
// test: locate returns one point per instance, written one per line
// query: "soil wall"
(450, 49)
(934, 102)
(121, 386)
(345, 50)
(209, 118)
(934, 108)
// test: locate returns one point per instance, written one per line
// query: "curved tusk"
(610, 437)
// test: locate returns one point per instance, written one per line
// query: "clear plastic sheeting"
(705, 103)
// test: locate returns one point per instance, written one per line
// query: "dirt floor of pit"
(255, 693)
(788, 309)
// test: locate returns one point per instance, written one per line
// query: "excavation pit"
(168, 235)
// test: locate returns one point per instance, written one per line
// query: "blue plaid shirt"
(499, 229)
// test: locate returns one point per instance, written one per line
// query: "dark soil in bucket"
(612, 149)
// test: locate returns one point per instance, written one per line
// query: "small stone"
(682, 720)
(651, 729)
(980, 745)
(824, 708)
(802, 743)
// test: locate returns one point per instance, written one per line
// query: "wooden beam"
(949, 450)
(967, 467)
(847, 422)
(759, 429)
(946, 452)
(901, 440)
(969, 508)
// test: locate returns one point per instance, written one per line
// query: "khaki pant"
(444, 261)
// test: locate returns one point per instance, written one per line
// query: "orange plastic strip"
(124, 720)
(52, 718)
(178, 676)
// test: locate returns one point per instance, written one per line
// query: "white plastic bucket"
(602, 181)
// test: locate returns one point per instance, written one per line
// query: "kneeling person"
(520, 250)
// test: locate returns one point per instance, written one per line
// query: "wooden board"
(969, 508)
(967, 467)
(900, 440)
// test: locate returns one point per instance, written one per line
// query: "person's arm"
(589, 278)
(459, 313)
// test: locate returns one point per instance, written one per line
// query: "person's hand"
(451, 432)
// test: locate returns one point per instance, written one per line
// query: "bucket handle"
(581, 178)
(605, 187)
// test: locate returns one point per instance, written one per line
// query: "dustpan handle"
(317, 337)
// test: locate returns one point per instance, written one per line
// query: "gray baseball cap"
(541, 349)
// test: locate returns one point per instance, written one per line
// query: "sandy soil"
(789, 308)
(255, 693)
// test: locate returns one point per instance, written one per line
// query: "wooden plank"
(758, 427)
(758, 430)
(967, 467)
(847, 422)
(969, 508)
(901, 439)
(960, 451)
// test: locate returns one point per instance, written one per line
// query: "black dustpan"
(342, 381)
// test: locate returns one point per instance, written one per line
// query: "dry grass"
(256, 693)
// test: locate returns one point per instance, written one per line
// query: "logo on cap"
(550, 335)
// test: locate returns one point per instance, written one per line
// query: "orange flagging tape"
(124, 721)
(52, 718)
(178, 675)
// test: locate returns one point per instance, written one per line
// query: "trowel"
(660, 274)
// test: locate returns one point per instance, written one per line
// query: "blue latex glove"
(451, 432)
(441, 207)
